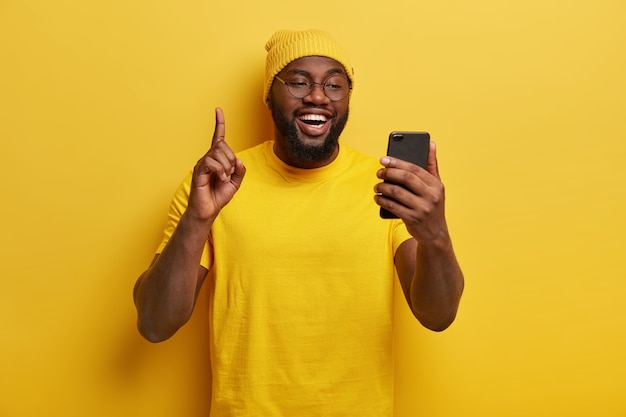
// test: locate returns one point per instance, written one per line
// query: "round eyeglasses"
(335, 87)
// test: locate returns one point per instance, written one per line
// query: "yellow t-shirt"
(302, 279)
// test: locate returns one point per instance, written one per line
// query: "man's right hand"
(216, 177)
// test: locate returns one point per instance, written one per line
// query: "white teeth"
(313, 117)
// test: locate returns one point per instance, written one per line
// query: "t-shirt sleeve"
(399, 234)
(178, 206)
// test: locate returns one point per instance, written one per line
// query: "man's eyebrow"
(331, 71)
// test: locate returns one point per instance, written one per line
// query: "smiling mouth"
(313, 119)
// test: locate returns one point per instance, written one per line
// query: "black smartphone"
(408, 146)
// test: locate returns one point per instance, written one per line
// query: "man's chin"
(312, 149)
(312, 141)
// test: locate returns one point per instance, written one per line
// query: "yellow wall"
(105, 105)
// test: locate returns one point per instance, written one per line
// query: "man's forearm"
(437, 285)
(166, 292)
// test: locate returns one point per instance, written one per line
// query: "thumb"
(431, 164)
(236, 177)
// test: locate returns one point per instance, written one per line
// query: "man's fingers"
(220, 160)
(220, 127)
(399, 171)
(238, 173)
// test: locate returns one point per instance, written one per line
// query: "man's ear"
(269, 102)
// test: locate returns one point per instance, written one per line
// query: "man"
(300, 265)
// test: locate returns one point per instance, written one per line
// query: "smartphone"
(408, 146)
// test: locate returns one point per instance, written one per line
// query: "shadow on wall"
(176, 371)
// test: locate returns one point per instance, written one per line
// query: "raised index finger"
(220, 127)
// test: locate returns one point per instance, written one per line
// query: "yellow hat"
(286, 46)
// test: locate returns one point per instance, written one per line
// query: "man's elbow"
(155, 333)
(436, 322)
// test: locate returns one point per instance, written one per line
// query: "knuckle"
(394, 191)
(414, 169)
(407, 176)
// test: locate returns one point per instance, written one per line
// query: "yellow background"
(105, 106)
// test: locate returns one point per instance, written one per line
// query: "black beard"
(297, 150)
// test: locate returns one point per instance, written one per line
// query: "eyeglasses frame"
(313, 84)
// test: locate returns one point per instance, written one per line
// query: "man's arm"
(432, 282)
(165, 294)
(429, 272)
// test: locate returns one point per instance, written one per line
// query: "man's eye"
(299, 84)
(335, 84)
